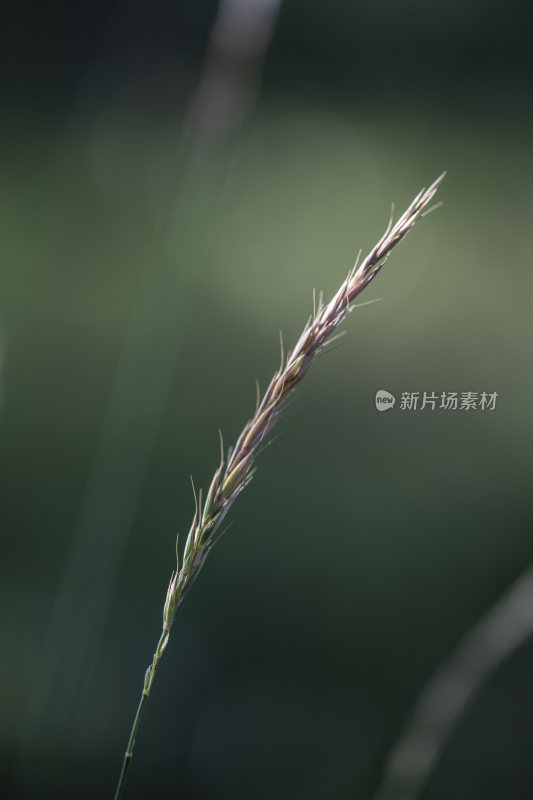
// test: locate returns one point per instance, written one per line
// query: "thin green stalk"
(148, 680)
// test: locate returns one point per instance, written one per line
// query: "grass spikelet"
(236, 471)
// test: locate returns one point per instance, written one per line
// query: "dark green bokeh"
(142, 290)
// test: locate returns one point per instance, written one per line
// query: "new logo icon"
(384, 400)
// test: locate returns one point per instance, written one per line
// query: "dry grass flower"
(236, 470)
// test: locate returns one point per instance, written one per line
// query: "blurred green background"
(155, 239)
